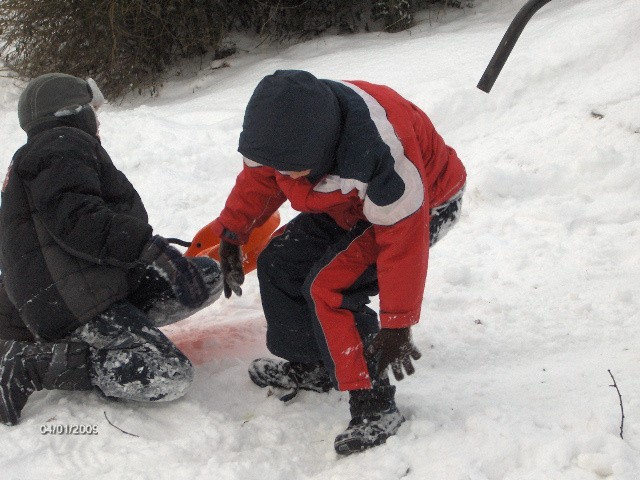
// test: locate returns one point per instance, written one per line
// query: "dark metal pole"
(508, 41)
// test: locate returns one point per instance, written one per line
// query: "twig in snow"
(615, 385)
(118, 428)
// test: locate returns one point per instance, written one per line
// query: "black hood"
(292, 123)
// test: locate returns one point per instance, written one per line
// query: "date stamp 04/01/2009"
(60, 429)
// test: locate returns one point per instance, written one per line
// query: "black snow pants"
(130, 358)
(305, 246)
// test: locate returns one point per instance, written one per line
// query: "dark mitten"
(231, 266)
(393, 346)
(185, 279)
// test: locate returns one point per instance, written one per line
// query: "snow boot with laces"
(374, 418)
(29, 366)
(291, 376)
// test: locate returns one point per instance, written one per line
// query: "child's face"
(296, 175)
(292, 174)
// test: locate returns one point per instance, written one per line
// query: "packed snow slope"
(530, 300)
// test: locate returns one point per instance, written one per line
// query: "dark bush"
(122, 44)
(396, 14)
(286, 19)
(126, 45)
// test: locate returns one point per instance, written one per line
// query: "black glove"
(393, 346)
(231, 265)
(183, 276)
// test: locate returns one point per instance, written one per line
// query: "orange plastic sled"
(206, 244)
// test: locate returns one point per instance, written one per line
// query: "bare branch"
(615, 385)
(118, 428)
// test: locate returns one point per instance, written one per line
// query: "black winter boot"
(292, 376)
(27, 366)
(374, 418)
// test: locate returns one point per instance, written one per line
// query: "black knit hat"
(54, 96)
(292, 123)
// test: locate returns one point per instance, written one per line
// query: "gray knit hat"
(55, 95)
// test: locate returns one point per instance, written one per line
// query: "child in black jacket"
(85, 283)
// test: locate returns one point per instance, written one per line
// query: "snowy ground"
(529, 301)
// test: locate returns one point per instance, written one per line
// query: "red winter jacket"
(391, 169)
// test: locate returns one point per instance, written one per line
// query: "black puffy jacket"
(71, 230)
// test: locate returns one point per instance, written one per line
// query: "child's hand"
(231, 266)
(185, 278)
(393, 346)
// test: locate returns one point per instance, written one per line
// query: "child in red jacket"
(376, 185)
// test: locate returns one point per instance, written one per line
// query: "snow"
(530, 300)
